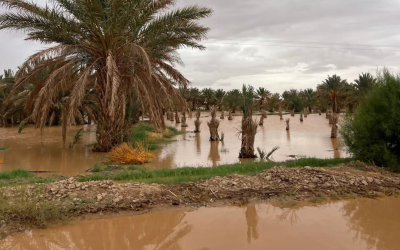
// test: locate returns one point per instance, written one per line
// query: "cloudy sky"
(276, 44)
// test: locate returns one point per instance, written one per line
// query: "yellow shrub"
(126, 154)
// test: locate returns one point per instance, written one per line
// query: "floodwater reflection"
(350, 225)
(33, 151)
(310, 138)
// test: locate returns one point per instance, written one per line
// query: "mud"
(347, 225)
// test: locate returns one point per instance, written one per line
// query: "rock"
(71, 186)
(315, 179)
(365, 183)
(307, 167)
(99, 197)
(370, 179)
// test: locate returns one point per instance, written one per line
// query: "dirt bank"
(306, 183)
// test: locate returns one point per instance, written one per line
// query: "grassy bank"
(190, 174)
(143, 133)
(168, 176)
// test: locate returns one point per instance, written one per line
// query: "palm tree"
(113, 47)
(249, 126)
(274, 101)
(194, 97)
(219, 97)
(232, 99)
(333, 88)
(292, 100)
(360, 89)
(263, 95)
(308, 97)
(208, 95)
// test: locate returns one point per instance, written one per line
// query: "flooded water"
(310, 138)
(347, 225)
(36, 152)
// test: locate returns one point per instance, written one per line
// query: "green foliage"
(373, 134)
(140, 134)
(189, 174)
(232, 99)
(3, 148)
(293, 100)
(14, 174)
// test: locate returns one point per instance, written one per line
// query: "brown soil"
(293, 183)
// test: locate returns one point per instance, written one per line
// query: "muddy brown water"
(34, 151)
(346, 225)
(310, 138)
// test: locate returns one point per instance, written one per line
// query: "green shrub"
(373, 133)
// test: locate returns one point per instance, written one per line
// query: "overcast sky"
(276, 44)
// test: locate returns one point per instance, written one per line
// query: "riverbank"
(40, 204)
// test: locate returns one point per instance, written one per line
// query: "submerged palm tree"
(112, 47)
(249, 126)
(333, 88)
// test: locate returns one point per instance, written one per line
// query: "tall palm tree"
(292, 100)
(308, 97)
(219, 97)
(263, 96)
(274, 101)
(194, 97)
(114, 47)
(208, 95)
(363, 85)
(232, 99)
(333, 88)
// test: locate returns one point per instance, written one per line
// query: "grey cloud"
(276, 44)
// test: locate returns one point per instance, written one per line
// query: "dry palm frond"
(126, 154)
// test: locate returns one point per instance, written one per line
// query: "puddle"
(32, 151)
(346, 225)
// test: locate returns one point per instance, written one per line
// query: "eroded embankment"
(72, 198)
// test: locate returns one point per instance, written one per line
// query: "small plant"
(96, 168)
(21, 127)
(77, 138)
(263, 155)
(224, 150)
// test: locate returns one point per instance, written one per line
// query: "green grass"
(14, 174)
(166, 176)
(139, 134)
(190, 174)
(3, 148)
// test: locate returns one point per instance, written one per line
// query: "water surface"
(35, 151)
(347, 225)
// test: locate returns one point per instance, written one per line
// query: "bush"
(373, 133)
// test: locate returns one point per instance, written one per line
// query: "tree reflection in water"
(375, 221)
(154, 231)
(252, 223)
